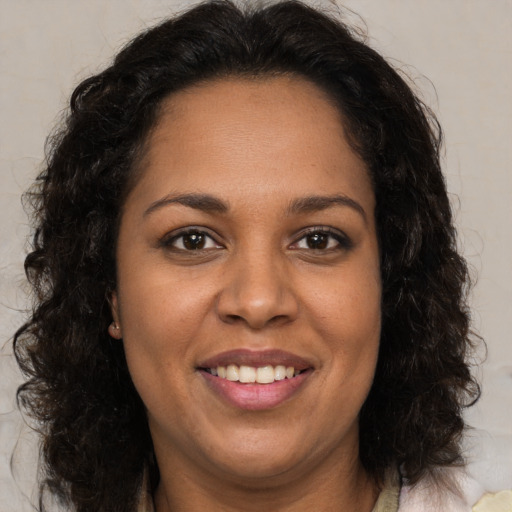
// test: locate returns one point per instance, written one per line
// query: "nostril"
(233, 318)
(255, 323)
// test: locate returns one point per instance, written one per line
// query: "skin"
(258, 283)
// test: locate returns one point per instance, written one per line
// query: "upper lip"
(256, 358)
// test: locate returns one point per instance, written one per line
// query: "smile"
(255, 380)
(251, 374)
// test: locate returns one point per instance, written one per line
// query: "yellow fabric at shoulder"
(389, 497)
(495, 502)
(388, 500)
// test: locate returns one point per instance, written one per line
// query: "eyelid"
(169, 238)
(344, 242)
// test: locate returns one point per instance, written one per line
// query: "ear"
(114, 329)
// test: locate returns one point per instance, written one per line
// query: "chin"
(260, 457)
(257, 468)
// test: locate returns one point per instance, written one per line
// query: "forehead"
(241, 136)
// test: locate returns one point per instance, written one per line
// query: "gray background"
(464, 47)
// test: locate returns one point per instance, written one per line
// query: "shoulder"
(495, 502)
(452, 491)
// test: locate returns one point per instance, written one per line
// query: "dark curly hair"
(96, 441)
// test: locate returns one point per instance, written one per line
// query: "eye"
(191, 240)
(322, 239)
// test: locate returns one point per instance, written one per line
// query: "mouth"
(255, 380)
(251, 374)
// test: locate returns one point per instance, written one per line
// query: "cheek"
(159, 317)
(161, 308)
(347, 313)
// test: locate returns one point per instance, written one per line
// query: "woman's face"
(248, 247)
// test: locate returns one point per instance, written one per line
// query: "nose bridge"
(257, 289)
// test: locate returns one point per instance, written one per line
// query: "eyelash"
(342, 241)
(169, 241)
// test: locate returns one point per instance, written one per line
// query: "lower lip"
(256, 397)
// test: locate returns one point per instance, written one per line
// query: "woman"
(248, 287)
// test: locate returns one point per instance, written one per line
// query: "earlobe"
(114, 329)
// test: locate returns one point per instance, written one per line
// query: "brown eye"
(317, 240)
(194, 241)
(325, 239)
(191, 240)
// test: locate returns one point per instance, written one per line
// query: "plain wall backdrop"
(459, 52)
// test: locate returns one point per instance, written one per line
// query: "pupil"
(317, 241)
(193, 241)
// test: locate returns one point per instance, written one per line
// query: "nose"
(258, 292)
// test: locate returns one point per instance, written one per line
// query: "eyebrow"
(318, 203)
(212, 204)
(203, 202)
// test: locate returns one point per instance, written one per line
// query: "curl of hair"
(96, 441)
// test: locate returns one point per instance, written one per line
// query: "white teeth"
(279, 372)
(248, 374)
(265, 375)
(232, 372)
